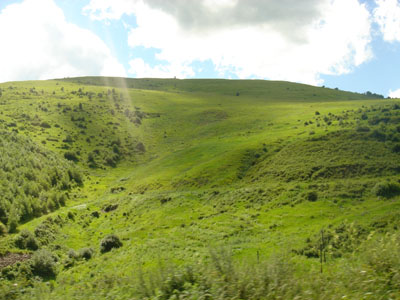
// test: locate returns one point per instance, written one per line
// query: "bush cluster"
(43, 264)
(33, 181)
(26, 240)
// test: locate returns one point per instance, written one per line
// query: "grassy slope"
(218, 169)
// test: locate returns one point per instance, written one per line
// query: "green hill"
(210, 189)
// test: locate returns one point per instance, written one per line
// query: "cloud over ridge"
(287, 40)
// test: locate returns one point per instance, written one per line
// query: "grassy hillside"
(202, 184)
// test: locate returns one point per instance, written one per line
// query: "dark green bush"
(312, 196)
(386, 189)
(75, 176)
(378, 135)
(396, 148)
(71, 215)
(45, 125)
(12, 221)
(111, 159)
(26, 240)
(43, 264)
(71, 156)
(109, 242)
(45, 232)
(86, 253)
(363, 129)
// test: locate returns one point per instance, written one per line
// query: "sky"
(353, 45)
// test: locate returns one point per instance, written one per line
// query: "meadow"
(118, 188)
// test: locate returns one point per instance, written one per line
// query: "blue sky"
(350, 44)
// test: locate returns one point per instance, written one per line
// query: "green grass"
(193, 168)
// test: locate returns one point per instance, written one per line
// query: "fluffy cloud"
(38, 43)
(394, 94)
(287, 39)
(204, 15)
(387, 16)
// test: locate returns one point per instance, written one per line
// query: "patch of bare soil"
(12, 258)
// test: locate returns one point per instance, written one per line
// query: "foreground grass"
(371, 273)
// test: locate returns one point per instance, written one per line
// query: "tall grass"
(374, 273)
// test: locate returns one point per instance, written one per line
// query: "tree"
(13, 220)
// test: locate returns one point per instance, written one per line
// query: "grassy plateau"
(115, 188)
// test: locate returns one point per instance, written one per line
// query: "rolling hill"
(197, 189)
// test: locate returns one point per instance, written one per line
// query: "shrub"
(13, 220)
(45, 232)
(312, 196)
(140, 147)
(68, 139)
(43, 264)
(3, 229)
(396, 148)
(109, 242)
(363, 129)
(111, 160)
(71, 215)
(386, 189)
(45, 125)
(86, 253)
(72, 254)
(71, 156)
(75, 176)
(95, 214)
(26, 240)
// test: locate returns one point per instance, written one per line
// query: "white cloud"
(139, 68)
(286, 40)
(38, 43)
(387, 15)
(394, 94)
